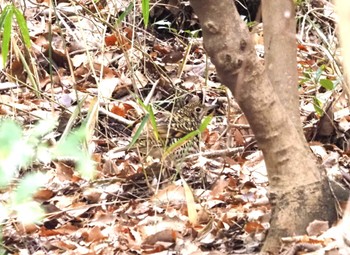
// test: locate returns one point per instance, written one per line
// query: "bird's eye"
(198, 109)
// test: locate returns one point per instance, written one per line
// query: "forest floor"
(93, 64)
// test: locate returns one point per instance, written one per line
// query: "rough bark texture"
(299, 192)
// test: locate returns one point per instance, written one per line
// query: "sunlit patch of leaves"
(20, 149)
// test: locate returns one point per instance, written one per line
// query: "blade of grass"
(35, 86)
(181, 142)
(149, 110)
(125, 13)
(139, 130)
(152, 118)
(205, 123)
(91, 119)
(145, 12)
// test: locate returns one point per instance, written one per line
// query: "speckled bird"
(171, 129)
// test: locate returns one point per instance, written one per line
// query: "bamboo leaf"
(6, 37)
(4, 14)
(22, 27)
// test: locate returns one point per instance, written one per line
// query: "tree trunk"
(343, 11)
(299, 189)
(280, 37)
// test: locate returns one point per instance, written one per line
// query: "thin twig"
(116, 117)
(217, 153)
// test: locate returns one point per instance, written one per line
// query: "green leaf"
(86, 167)
(180, 142)
(22, 27)
(6, 36)
(4, 213)
(139, 130)
(327, 84)
(152, 118)
(18, 151)
(29, 212)
(193, 33)
(125, 13)
(10, 154)
(145, 12)
(4, 14)
(205, 123)
(307, 75)
(27, 187)
(73, 147)
(41, 129)
(91, 120)
(318, 106)
(10, 134)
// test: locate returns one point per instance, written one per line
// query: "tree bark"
(299, 189)
(280, 37)
(343, 11)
